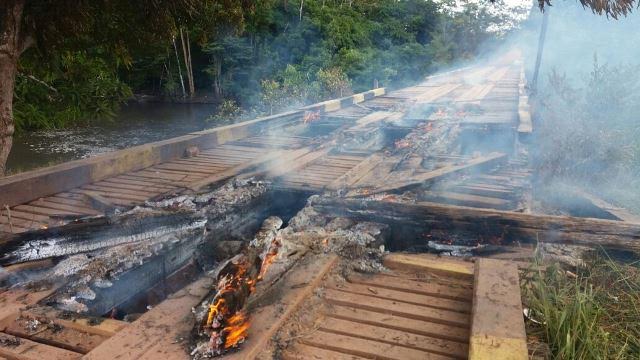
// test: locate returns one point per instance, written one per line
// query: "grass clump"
(591, 314)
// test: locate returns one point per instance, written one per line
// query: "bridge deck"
(486, 96)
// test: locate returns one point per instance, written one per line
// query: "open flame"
(236, 331)
(226, 323)
(269, 258)
(310, 116)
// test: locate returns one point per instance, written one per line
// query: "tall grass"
(592, 315)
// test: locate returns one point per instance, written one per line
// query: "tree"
(120, 27)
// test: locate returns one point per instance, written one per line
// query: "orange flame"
(214, 310)
(229, 331)
(269, 258)
(236, 330)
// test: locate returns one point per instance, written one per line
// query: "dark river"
(136, 124)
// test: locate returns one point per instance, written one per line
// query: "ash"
(85, 273)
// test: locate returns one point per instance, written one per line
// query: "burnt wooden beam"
(511, 226)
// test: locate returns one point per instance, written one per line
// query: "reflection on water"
(136, 124)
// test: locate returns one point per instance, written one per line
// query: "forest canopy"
(261, 55)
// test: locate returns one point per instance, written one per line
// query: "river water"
(136, 124)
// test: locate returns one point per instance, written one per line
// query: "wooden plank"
(221, 176)
(202, 161)
(482, 161)
(297, 163)
(483, 191)
(148, 187)
(31, 350)
(64, 207)
(373, 118)
(395, 337)
(16, 299)
(406, 310)
(458, 292)
(404, 297)
(304, 352)
(304, 174)
(525, 124)
(356, 173)
(64, 337)
(165, 175)
(424, 262)
(161, 326)
(132, 179)
(462, 199)
(112, 195)
(67, 201)
(366, 348)
(182, 175)
(390, 321)
(13, 229)
(119, 191)
(98, 326)
(187, 168)
(435, 93)
(21, 222)
(111, 198)
(304, 182)
(497, 330)
(46, 211)
(15, 214)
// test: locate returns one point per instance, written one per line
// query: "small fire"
(310, 116)
(440, 113)
(236, 331)
(269, 258)
(226, 324)
(402, 143)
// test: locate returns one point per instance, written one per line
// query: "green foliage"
(266, 54)
(79, 86)
(333, 83)
(227, 112)
(592, 315)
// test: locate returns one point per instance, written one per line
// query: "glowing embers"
(269, 257)
(310, 116)
(227, 324)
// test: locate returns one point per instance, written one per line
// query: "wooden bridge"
(295, 154)
(424, 309)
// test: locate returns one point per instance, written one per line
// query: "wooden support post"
(497, 323)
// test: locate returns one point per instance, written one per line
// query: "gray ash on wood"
(95, 234)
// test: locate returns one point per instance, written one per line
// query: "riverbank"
(137, 123)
